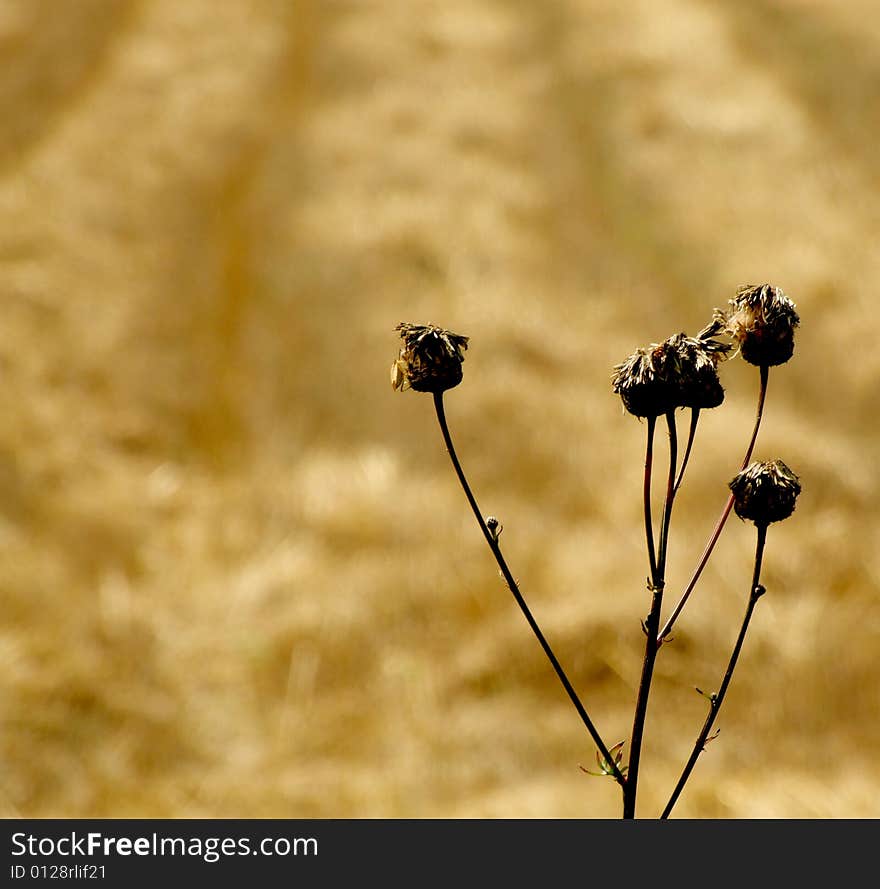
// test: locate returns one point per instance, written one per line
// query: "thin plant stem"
(695, 419)
(670, 497)
(653, 620)
(719, 526)
(716, 700)
(517, 595)
(646, 498)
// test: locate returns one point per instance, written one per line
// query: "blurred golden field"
(238, 578)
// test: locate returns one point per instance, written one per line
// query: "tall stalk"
(722, 520)
(717, 699)
(492, 541)
(652, 622)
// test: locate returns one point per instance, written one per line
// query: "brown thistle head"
(765, 492)
(429, 360)
(642, 381)
(762, 319)
(695, 363)
(679, 372)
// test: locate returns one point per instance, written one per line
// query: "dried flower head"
(762, 320)
(765, 492)
(695, 361)
(430, 359)
(679, 372)
(642, 381)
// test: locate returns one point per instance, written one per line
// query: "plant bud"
(765, 492)
(695, 375)
(679, 372)
(430, 359)
(762, 320)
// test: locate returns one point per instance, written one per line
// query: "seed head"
(679, 372)
(429, 360)
(765, 492)
(642, 381)
(695, 363)
(762, 320)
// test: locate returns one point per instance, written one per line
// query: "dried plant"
(654, 381)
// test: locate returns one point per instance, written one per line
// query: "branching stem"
(517, 595)
(695, 419)
(719, 526)
(717, 699)
(653, 620)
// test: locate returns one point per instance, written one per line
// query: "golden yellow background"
(237, 575)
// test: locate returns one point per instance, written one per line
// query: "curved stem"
(717, 699)
(762, 395)
(514, 588)
(719, 526)
(695, 418)
(653, 620)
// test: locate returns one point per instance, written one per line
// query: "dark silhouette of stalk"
(716, 700)
(646, 497)
(670, 497)
(653, 620)
(719, 526)
(695, 418)
(514, 588)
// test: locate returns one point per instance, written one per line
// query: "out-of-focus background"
(238, 578)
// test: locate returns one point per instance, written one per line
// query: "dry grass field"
(237, 575)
